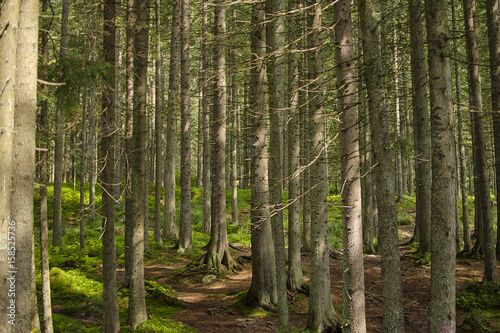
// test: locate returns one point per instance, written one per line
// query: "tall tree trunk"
(275, 38)
(353, 318)
(392, 304)
(44, 155)
(158, 129)
(461, 148)
(218, 253)
(492, 11)
(205, 123)
(23, 168)
(479, 141)
(422, 128)
(59, 140)
(185, 233)
(169, 225)
(111, 320)
(129, 143)
(262, 290)
(443, 254)
(235, 131)
(295, 281)
(137, 302)
(322, 316)
(9, 18)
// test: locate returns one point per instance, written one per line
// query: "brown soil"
(210, 307)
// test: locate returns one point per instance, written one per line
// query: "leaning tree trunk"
(353, 318)
(392, 303)
(321, 316)
(421, 129)
(443, 254)
(479, 142)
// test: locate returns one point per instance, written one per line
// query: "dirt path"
(209, 307)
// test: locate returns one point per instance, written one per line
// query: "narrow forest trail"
(210, 307)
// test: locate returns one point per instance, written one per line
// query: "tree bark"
(392, 303)
(262, 290)
(421, 128)
(23, 167)
(111, 320)
(322, 316)
(479, 141)
(137, 302)
(9, 18)
(185, 233)
(353, 318)
(158, 129)
(492, 11)
(169, 223)
(443, 254)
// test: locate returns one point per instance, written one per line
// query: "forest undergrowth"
(181, 298)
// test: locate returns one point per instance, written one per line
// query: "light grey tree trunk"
(421, 128)
(392, 303)
(169, 215)
(353, 317)
(321, 316)
(23, 168)
(9, 18)
(443, 254)
(137, 299)
(185, 241)
(479, 141)
(235, 131)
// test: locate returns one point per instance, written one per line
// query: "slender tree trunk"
(392, 304)
(353, 318)
(137, 302)
(9, 18)
(44, 145)
(185, 233)
(235, 132)
(111, 320)
(275, 38)
(169, 223)
(218, 253)
(205, 116)
(23, 168)
(442, 304)
(492, 11)
(158, 129)
(129, 144)
(322, 316)
(59, 140)
(479, 141)
(296, 281)
(421, 128)
(262, 290)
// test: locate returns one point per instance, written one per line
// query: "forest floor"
(212, 306)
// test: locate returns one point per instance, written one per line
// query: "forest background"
(304, 124)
